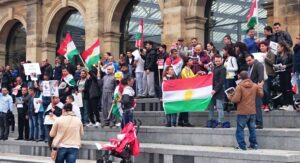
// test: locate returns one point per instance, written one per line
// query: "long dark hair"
(229, 50)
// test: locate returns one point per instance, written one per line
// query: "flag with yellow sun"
(187, 95)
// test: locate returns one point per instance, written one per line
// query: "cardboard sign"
(78, 99)
(273, 47)
(160, 63)
(32, 69)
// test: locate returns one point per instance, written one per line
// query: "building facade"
(32, 29)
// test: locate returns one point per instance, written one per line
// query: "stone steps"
(16, 158)
(268, 138)
(166, 153)
(273, 119)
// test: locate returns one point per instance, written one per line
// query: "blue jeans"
(242, 121)
(31, 126)
(39, 128)
(127, 117)
(220, 107)
(259, 117)
(84, 112)
(171, 119)
(139, 81)
(66, 154)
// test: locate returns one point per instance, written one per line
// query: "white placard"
(49, 120)
(78, 99)
(273, 47)
(32, 69)
(136, 54)
(54, 88)
(46, 88)
(259, 57)
(36, 104)
(230, 91)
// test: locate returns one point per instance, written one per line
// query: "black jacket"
(57, 72)
(47, 69)
(241, 61)
(286, 59)
(283, 36)
(94, 90)
(297, 58)
(257, 73)
(218, 82)
(70, 68)
(150, 60)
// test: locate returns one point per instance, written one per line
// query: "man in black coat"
(256, 73)
(46, 68)
(219, 73)
(150, 67)
(282, 36)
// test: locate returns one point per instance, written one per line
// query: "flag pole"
(83, 62)
(257, 24)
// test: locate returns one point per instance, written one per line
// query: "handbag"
(53, 154)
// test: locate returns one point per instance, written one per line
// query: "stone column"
(173, 25)
(195, 27)
(269, 6)
(34, 31)
(49, 50)
(2, 58)
(111, 43)
(92, 22)
(287, 12)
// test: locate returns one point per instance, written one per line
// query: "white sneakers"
(287, 108)
(97, 124)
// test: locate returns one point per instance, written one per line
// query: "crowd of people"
(144, 73)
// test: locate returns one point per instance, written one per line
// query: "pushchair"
(125, 146)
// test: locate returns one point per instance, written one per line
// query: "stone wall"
(102, 18)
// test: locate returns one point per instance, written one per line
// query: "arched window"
(229, 17)
(73, 23)
(16, 45)
(149, 10)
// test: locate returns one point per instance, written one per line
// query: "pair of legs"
(148, 84)
(219, 104)
(242, 121)
(4, 130)
(171, 119)
(93, 110)
(66, 154)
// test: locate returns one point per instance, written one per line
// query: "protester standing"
(256, 74)
(82, 87)
(219, 73)
(297, 61)
(251, 42)
(6, 104)
(22, 107)
(244, 96)
(67, 131)
(127, 101)
(282, 36)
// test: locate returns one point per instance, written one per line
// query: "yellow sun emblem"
(188, 95)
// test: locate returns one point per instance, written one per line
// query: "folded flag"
(187, 95)
(67, 48)
(116, 108)
(92, 55)
(69, 79)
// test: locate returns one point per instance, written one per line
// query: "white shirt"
(76, 110)
(139, 64)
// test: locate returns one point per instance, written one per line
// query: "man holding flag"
(252, 24)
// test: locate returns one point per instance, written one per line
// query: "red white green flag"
(187, 95)
(67, 48)
(92, 55)
(139, 36)
(252, 18)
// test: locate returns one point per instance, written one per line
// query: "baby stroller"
(125, 146)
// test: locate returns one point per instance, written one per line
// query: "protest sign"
(32, 69)
(78, 99)
(53, 88)
(160, 63)
(273, 47)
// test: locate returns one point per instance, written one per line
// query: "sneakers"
(239, 148)
(90, 124)
(265, 108)
(287, 108)
(255, 147)
(97, 124)
(118, 124)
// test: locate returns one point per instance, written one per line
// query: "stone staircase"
(279, 141)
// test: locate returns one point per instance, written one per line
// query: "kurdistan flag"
(187, 95)
(253, 15)
(139, 37)
(69, 79)
(92, 55)
(116, 108)
(67, 48)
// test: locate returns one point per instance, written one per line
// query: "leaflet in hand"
(230, 91)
